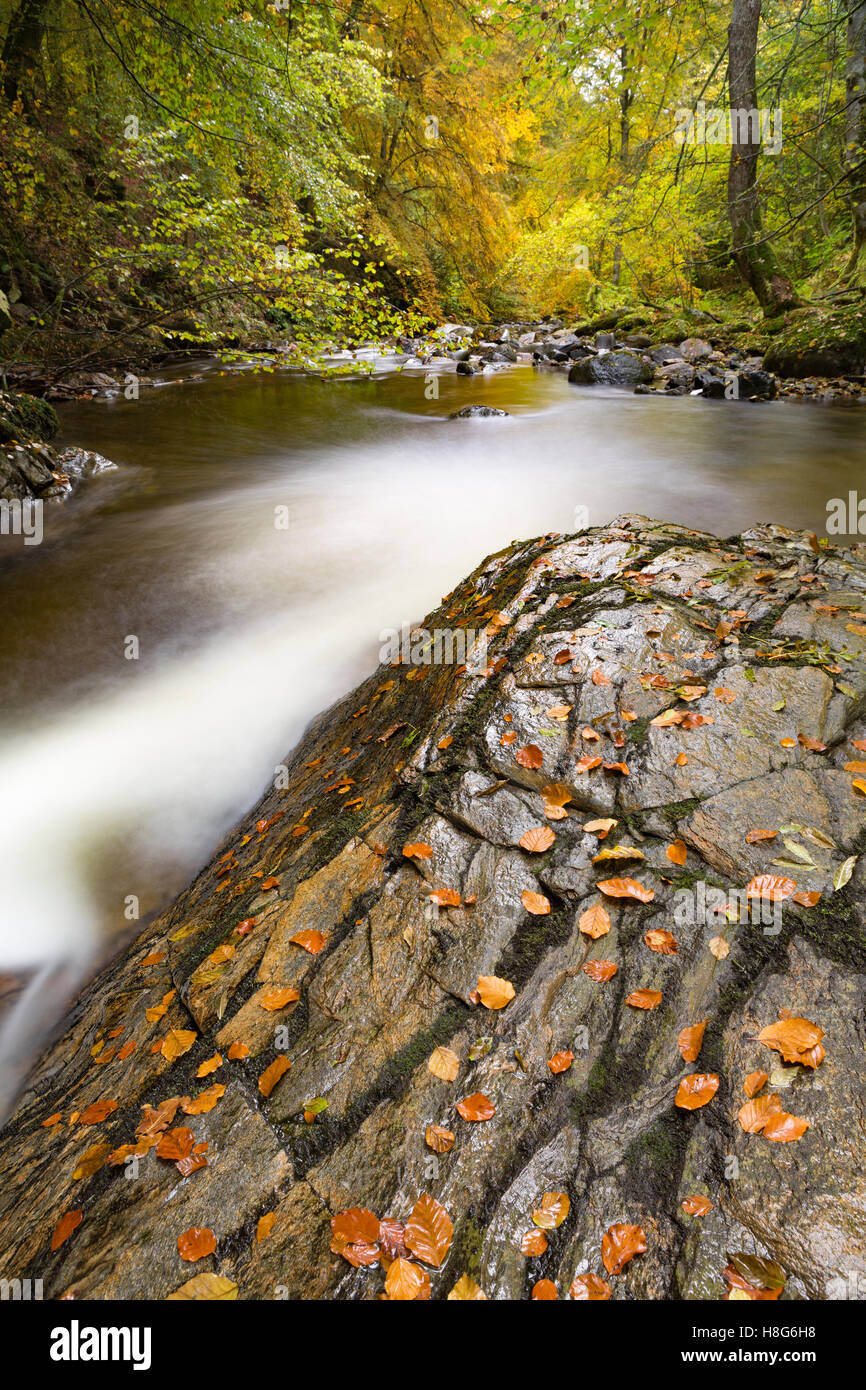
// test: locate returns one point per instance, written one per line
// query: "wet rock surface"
(750, 656)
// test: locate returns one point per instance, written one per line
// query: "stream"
(118, 776)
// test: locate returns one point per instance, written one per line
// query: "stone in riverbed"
(476, 412)
(618, 368)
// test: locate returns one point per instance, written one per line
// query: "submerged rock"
(705, 677)
(476, 412)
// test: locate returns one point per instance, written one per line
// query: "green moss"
(23, 418)
(465, 1256)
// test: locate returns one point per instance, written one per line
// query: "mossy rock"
(820, 343)
(26, 417)
(755, 344)
(672, 330)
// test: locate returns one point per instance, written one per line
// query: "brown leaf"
(312, 941)
(177, 1143)
(589, 1288)
(476, 1107)
(271, 1075)
(275, 999)
(96, 1113)
(595, 921)
(418, 851)
(440, 1140)
(755, 1113)
(696, 1205)
(533, 1243)
(69, 1222)
(265, 1225)
(444, 1063)
(690, 1040)
(406, 1282)
(782, 1128)
(210, 1065)
(493, 992)
(600, 828)
(537, 840)
(466, 1290)
(560, 1062)
(719, 947)
(204, 1101)
(195, 1243)
(587, 763)
(536, 903)
(696, 1090)
(754, 836)
(661, 941)
(545, 1289)
(645, 998)
(625, 888)
(753, 1082)
(772, 887)
(600, 970)
(620, 1243)
(677, 853)
(553, 1211)
(91, 1162)
(238, 1051)
(445, 897)
(530, 757)
(429, 1231)
(792, 1038)
(178, 1041)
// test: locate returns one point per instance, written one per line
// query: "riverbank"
(522, 938)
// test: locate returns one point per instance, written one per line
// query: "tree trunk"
(855, 127)
(21, 50)
(754, 256)
(625, 100)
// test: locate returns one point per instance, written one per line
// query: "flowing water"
(118, 776)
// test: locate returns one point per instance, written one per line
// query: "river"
(117, 775)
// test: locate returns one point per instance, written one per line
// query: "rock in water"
(476, 412)
(611, 369)
(337, 938)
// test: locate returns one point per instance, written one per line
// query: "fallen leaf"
(405, 1281)
(753, 1082)
(444, 1063)
(493, 992)
(312, 941)
(275, 999)
(620, 1243)
(536, 903)
(533, 1243)
(661, 941)
(179, 1041)
(724, 694)
(552, 1212)
(560, 1062)
(782, 1128)
(544, 1290)
(68, 1223)
(696, 1205)
(696, 1090)
(625, 888)
(272, 1074)
(466, 1290)
(419, 851)
(793, 1038)
(445, 897)
(677, 852)
(195, 1243)
(99, 1111)
(589, 1288)
(175, 1144)
(206, 1288)
(600, 828)
(600, 970)
(587, 763)
(204, 1101)
(530, 757)
(440, 1140)
(755, 1113)
(429, 1231)
(210, 1065)
(237, 1051)
(719, 947)
(754, 836)
(645, 998)
(476, 1107)
(595, 921)
(537, 840)
(91, 1162)
(771, 887)
(690, 1041)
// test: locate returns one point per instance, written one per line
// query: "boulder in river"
(476, 412)
(619, 368)
(502, 960)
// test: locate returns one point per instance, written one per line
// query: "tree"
(752, 249)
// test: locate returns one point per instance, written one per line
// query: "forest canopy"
(366, 167)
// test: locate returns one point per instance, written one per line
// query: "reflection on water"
(118, 776)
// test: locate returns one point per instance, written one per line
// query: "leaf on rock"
(691, 1039)
(620, 1243)
(476, 1107)
(210, 1065)
(645, 998)
(753, 837)
(544, 1290)
(272, 1074)
(753, 1082)
(696, 1205)
(552, 1212)
(536, 903)
(206, 1288)
(179, 1041)
(196, 1243)
(274, 999)
(560, 1062)
(466, 1290)
(661, 941)
(771, 887)
(537, 840)
(533, 1243)
(204, 1101)
(429, 1231)
(444, 1063)
(312, 941)
(493, 992)
(600, 970)
(595, 921)
(530, 757)
(782, 1128)
(792, 1038)
(419, 851)
(440, 1140)
(404, 1281)
(589, 1288)
(625, 888)
(696, 1090)
(678, 852)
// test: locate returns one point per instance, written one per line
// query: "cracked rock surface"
(609, 629)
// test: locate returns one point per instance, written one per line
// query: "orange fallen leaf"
(772, 887)
(600, 828)
(178, 1041)
(418, 851)
(444, 1063)
(753, 1082)
(625, 888)
(210, 1065)
(560, 1061)
(690, 1041)
(754, 836)
(429, 1231)
(312, 941)
(204, 1101)
(719, 947)
(265, 1225)
(782, 1128)
(589, 1288)
(493, 992)
(554, 1209)
(530, 757)
(545, 1289)
(272, 1074)
(661, 941)
(96, 1113)
(445, 897)
(587, 763)
(69, 1222)
(696, 1205)
(755, 1113)
(595, 921)
(466, 1291)
(677, 853)
(696, 1090)
(724, 694)
(533, 1243)
(794, 1038)
(620, 1243)
(52, 1120)
(600, 970)
(476, 1107)
(645, 998)
(536, 903)
(405, 1281)
(440, 1140)
(195, 1243)
(275, 999)
(237, 1051)
(175, 1144)
(537, 840)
